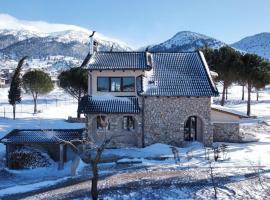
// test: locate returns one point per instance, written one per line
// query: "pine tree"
(14, 93)
(74, 81)
(256, 74)
(226, 62)
(35, 83)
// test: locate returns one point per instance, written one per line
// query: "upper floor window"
(116, 84)
(103, 84)
(128, 84)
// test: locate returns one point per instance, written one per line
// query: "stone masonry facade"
(165, 117)
(229, 132)
(120, 137)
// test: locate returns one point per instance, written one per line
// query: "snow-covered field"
(57, 106)
(260, 108)
(54, 110)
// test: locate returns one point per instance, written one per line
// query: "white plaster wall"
(217, 116)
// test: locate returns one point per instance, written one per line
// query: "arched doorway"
(193, 129)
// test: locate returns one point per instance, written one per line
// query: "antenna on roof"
(111, 48)
(92, 34)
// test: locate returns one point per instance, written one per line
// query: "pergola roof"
(24, 136)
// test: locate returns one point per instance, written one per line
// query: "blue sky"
(143, 22)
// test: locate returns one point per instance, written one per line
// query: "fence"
(27, 105)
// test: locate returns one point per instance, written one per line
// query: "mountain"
(39, 39)
(187, 41)
(71, 43)
(258, 44)
(9, 37)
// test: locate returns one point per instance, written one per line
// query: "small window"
(128, 123)
(128, 84)
(103, 84)
(103, 123)
(115, 84)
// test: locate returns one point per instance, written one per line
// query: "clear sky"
(144, 22)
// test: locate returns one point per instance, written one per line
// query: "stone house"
(141, 98)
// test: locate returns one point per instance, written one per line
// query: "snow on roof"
(108, 104)
(179, 74)
(171, 74)
(228, 111)
(118, 61)
(22, 136)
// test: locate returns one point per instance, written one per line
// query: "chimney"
(93, 43)
(148, 57)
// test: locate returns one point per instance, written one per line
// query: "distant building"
(6, 76)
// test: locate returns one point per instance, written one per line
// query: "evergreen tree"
(14, 93)
(74, 81)
(226, 62)
(256, 74)
(35, 83)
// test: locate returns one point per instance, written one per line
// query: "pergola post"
(61, 157)
(7, 156)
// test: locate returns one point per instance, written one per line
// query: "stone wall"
(120, 137)
(226, 132)
(165, 117)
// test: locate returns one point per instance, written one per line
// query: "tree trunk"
(14, 111)
(249, 99)
(243, 92)
(94, 188)
(78, 113)
(79, 99)
(223, 95)
(35, 105)
(257, 95)
(226, 91)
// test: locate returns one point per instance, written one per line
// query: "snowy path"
(180, 183)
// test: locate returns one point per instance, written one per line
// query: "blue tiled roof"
(23, 136)
(179, 74)
(118, 61)
(90, 104)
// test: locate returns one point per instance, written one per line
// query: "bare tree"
(212, 176)
(258, 172)
(90, 152)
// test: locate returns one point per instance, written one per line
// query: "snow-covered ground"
(54, 110)
(57, 106)
(260, 108)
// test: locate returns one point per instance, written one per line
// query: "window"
(103, 123)
(190, 129)
(103, 84)
(116, 84)
(128, 123)
(128, 84)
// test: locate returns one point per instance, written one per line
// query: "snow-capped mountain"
(258, 44)
(9, 37)
(41, 39)
(187, 41)
(50, 47)
(72, 43)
